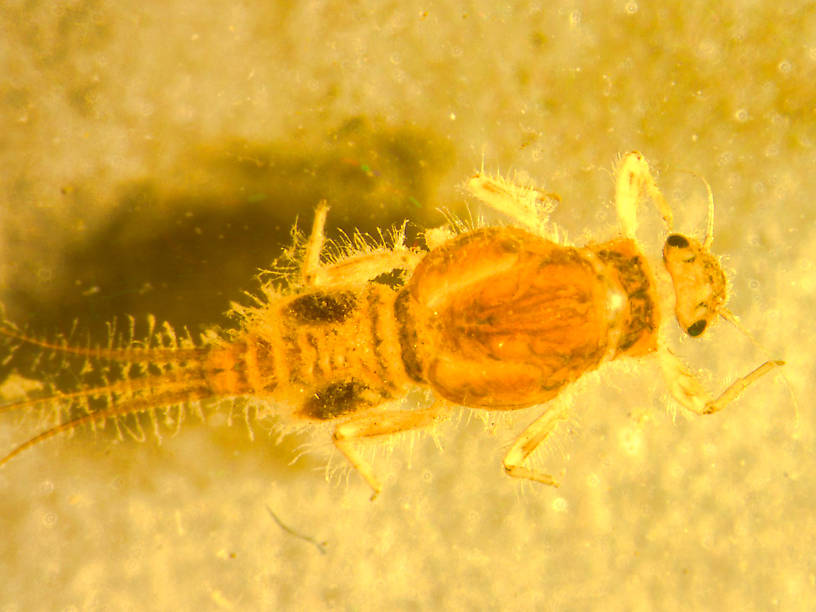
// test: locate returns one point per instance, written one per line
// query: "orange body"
(499, 318)
(494, 318)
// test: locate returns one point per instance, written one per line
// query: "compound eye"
(677, 241)
(697, 328)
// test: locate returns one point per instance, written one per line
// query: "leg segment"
(536, 433)
(372, 425)
(311, 259)
(356, 268)
(686, 389)
(526, 205)
(634, 179)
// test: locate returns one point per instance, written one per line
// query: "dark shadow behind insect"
(180, 251)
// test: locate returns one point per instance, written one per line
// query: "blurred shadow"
(181, 247)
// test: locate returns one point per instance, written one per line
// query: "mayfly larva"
(495, 318)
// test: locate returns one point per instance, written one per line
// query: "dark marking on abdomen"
(335, 400)
(322, 307)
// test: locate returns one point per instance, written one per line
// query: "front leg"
(687, 390)
(634, 179)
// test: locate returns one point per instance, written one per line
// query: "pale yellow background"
(154, 154)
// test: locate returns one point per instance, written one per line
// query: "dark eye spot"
(678, 241)
(696, 328)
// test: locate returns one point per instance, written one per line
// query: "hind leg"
(356, 268)
(374, 425)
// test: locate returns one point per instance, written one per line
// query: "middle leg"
(530, 439)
